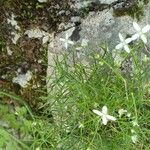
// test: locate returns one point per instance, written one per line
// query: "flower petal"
(111, 118)
(126, 48)
(128, 40)
(104, 120)
(97, 112)
(143, 38)
(104, 110)
(134, 37)
(121, 37)
(146, 28)
(119, 46)
(136, 26)
(66, 45)
(122, 112)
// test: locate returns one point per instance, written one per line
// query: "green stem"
(16, 98)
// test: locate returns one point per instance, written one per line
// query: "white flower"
(103, 114)
(66, 41)
(140, 32)
(124, 43)
(134, 138)
(122, 112)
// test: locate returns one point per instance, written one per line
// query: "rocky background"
(31, 31)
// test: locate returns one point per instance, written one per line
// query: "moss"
(25, 55)
(26, 52)
(32, 12)
(133, 8)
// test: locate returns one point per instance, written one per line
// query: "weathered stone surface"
(104, 27)
(84, 3)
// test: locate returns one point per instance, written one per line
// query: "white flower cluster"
(140, 33)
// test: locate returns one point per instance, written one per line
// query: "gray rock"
(103, 27)
(107, 1)
(75, 19)
(78, 4)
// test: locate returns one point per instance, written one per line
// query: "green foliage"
(78, 89)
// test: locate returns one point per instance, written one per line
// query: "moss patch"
(133, 8)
